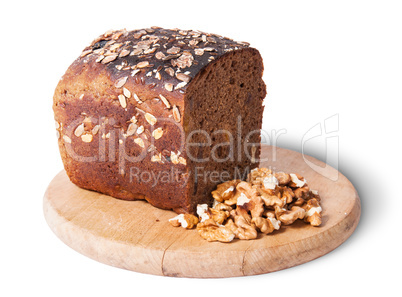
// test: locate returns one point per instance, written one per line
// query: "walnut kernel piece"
(244, 230)
(313, 212)
(288, 217)
(211, 231)
(270, 199)
(225, 190)
(257, 175)
(187, 221)
(297, 181)
(302, 192)
(270, 182)
(266, 225)
(287, 195)
(283, 178)
(202, 212)
(223, 206)
(250, 199)
(219, 216)
(242, 200)
(247, 189)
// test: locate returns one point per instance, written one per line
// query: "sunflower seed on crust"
(140, 142)
(132, 128)
(122, 100)
(143, 64)
(126, 92)
(115, 46)
(170, 71)
(183, 77)
(135, 71)
(165, 101)
(84, 53)
(193, 42)
(79, 130)
(150, 51)
(169, 87)
(100, 58)
(95, 129)
(133, 119)
(140, 129)
(176, 114)
(174, 158)
(173, 50)
(137, 98)
(108, 59)
(157, 133)
(106, 136)
(156, 158)
(66, 139)
(159, 55)
(124, 53)
(199, 51)
(86, 137)
(182, 161)
(121, 82)
(150, 119)
(180, 85)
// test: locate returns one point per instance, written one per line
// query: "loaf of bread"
(161, 115)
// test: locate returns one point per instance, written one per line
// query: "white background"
(322, 58)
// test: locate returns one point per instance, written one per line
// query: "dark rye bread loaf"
(161, 115)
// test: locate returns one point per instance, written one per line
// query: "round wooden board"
(137, 236)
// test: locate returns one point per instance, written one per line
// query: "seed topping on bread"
(155, 48)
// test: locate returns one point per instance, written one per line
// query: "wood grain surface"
(137, 236)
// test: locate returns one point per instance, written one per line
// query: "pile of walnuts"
(263, 203)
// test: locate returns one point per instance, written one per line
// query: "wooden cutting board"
(136, 236)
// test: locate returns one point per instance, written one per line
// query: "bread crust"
(127, 79)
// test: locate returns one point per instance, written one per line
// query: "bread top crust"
(166, 59)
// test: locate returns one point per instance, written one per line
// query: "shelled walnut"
(263, 203)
